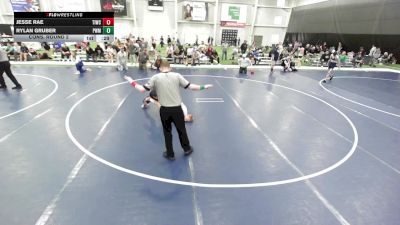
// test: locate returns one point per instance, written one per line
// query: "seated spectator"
(358, 60)
(110, 54)
(17, 51)
(189, 55)
(343, 58)
(143, 59)
(195, 57)
(235, 53)
(65, 52)
(89, 53)
(157, 63)
(214, 56)
(324, 58)
(9, 50)
(57, 46)
(24, 52)
(170, 51)
(98, 53)
(392, 59)
(288, 64)
(178, 55)
(384, 58)
(244, 62)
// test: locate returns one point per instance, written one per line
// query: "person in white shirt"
(244, 62)
(122, 59)
(189, 55)
(110, 53)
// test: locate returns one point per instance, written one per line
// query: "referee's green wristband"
(202, 87)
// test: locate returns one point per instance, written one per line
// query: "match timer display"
(64, 26)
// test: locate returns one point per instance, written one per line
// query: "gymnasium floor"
(275, 148)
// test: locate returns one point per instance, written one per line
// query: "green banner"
(234, 12)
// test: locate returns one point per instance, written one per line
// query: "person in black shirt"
(99, 53)
(243, 47)
(89, 53)
(65, 52)
(274, 54)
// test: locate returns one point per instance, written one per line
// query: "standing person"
(244, 62)
(167, 85)
(243, 47)
(162, 42)
(274, 54)
(333, 60)
(122, 59)
(6, 67)
(371, 54)
(238, 42)
(225, 51)
(169, 40)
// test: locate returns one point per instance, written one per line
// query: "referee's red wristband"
(134, 83)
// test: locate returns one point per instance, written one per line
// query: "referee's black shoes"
(172, 158)
(188, 152)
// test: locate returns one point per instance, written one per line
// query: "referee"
(167, 85)
(6, 67)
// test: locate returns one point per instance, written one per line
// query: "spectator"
(243, 47)
(157, 63)
(99, 52)
(358, 60)
(89, 53)
(9, 50)
(324, 58)
(170, 51)
(122, 59)
(392, 59)
(24, 52)
(343, 58)
(110, 53)
(384, 58)
(225, 51)
(244, 62)
(153, 42)
(162, 42)
(189, 55)
(235, 52)
(65, 52)
(143, 58)
(214, 56)
(17, 51)
(168, 40)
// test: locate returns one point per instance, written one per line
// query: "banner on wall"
(69, 5)
(155, 5)
(196, 11)
(25, 5)
(116, 6)
(233, 15)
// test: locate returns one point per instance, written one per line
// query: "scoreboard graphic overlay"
(64, 26)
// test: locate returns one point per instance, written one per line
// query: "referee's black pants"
(174, 115)
(6, 67)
